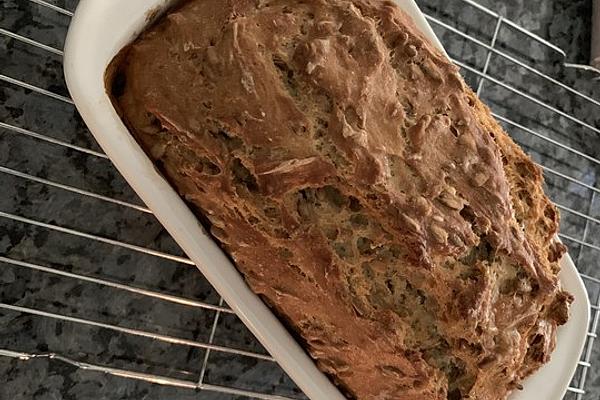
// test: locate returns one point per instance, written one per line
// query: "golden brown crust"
(360, 187)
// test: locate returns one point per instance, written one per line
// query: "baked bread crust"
(359, 185)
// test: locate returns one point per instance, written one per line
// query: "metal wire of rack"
(566, 163)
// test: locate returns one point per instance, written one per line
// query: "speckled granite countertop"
(31, 167)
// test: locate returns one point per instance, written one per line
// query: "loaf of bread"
(360, 187)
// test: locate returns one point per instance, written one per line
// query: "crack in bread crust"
(361, 188)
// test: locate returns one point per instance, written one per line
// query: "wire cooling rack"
(91, 286)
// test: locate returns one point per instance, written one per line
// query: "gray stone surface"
(563, 22)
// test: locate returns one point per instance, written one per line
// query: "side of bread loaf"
(361, 188)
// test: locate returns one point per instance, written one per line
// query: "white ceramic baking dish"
(100, 28)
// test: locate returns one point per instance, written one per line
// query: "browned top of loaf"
(359, 185)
